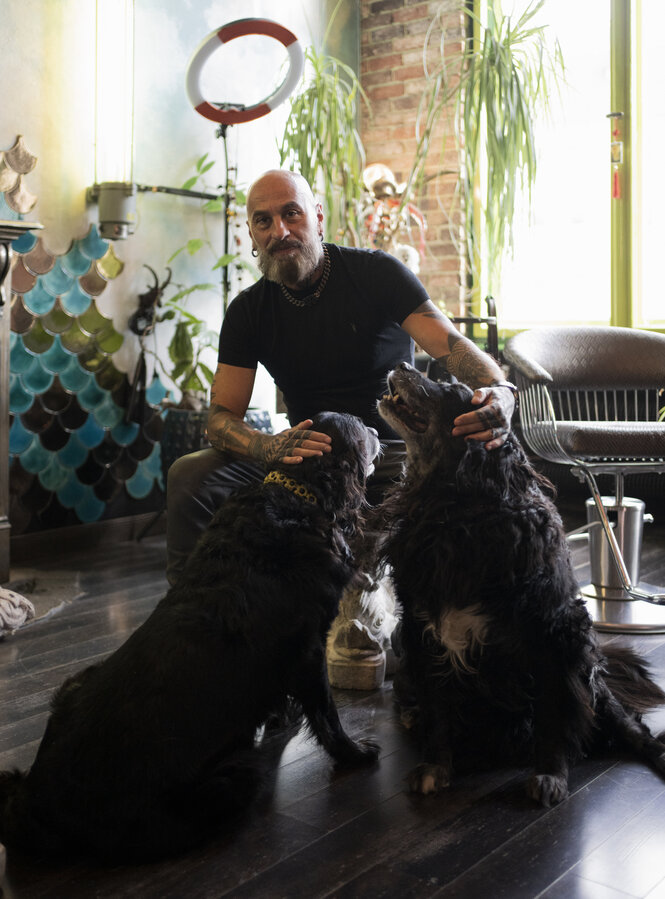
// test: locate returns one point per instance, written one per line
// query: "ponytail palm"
(322, 142)
(494, 87)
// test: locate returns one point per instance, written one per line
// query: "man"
(328, 323)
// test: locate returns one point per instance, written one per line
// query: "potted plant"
(491, 92)
(322, 142)
(188, 364)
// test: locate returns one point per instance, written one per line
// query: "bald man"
(328, 323)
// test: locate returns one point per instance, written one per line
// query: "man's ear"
(319, 218)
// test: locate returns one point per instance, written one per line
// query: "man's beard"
(295, 269)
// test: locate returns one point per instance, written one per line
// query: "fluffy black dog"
(500, 663)
(153, 750)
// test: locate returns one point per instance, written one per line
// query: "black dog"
(154, 749)
(500, 663)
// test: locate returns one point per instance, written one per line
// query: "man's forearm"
(469, 364)
(228, 432)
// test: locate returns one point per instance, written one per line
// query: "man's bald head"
(273, 181)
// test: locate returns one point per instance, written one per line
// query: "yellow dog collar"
(278, 477)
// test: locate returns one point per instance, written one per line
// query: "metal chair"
(590, 398)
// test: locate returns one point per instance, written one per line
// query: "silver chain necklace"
(311, 298)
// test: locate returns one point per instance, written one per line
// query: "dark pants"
(200, 482)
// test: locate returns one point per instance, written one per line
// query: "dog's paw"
(428, 778)
(547, 789)
(408, 717)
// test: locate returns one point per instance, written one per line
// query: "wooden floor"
(358, 834)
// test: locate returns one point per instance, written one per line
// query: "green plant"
(491, 92)
(192, 339)
(322, 142)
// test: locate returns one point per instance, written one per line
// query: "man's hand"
(295, 444)
(491, 422)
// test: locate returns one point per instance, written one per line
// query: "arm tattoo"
(228, 432)
(469, 364)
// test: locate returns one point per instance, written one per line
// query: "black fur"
(153, 750)
(477, 547)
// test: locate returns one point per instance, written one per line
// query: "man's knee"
(186, 475)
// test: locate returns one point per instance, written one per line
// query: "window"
(649, 188)
(560, 270)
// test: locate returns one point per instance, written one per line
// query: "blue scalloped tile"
(153, 463)
(75, 262)
(24, 243)
(6, 212)
(90, 508)
(35, 458)
(38, 300)
(57, 281)
(125, 433)
(56, 358)
(140, 484)
(36, 379)
(155, 391)
(20, 359)
(54, 476)
(75, 301)
(91, 435)
(92, 245)
(107, 414)
(74, 378)
(20, 437)
(74, 453)
(72, 492)
(20, 399)
(92, 396)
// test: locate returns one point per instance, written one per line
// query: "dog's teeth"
(395, 397)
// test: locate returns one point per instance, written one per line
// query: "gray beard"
(297, 269)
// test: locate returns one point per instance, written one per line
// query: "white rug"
(32, 596)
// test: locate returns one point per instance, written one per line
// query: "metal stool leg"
(629, 605)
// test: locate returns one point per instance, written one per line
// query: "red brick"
(376, 63)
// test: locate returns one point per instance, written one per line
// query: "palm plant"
(492, 90)
(322, 142)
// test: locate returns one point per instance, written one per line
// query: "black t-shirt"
(334, 354)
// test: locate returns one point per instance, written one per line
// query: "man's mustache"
(284, 245)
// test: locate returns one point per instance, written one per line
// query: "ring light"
(228, 114)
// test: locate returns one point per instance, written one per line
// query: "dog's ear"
(504, 472)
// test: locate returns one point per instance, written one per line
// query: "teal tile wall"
(77, 454)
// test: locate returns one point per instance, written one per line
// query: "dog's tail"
(629, 679)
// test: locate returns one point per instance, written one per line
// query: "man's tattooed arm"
(469, 364)
(228, 432)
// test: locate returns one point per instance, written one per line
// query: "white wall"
(47, 72)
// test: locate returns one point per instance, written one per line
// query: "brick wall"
(392, 35)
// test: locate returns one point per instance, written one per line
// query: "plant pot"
(184, 432)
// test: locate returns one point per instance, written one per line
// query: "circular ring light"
(234, 115)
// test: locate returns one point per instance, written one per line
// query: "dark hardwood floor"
(358, 834)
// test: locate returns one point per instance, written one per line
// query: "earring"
(255, 252)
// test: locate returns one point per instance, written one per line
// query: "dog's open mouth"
(399, 405)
